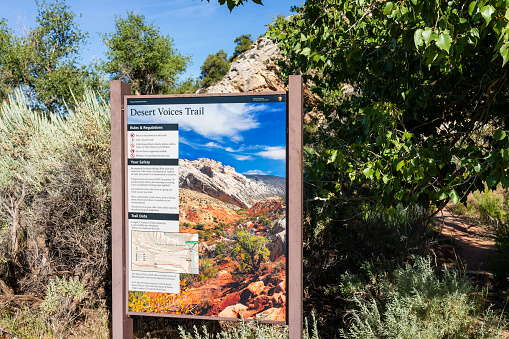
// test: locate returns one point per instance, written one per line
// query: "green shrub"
(249, 251)
(251, 330)
(416, 302)
(491, 206)
(60, 290)
(27, 323)
(499, 262)
(207, 269)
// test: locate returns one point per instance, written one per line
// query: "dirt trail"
(472, 243)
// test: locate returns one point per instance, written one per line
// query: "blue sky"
(198, 28)
(247, 136)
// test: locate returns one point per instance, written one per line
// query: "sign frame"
(122, 326)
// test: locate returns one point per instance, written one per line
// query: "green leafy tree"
(243, 43)
(214, 68)
(44, 62)
(138, 53)
(425, 119)
(250, 251)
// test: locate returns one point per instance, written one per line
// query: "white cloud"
(218, 121)
(212, 145)
(275, 153)
(221, 121)
(255, 172)
(243, 157)
(231, 150)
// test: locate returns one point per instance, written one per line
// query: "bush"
(499, 263)
(207, 269)
(252, 330)
(249, 251)
(416, 302)
(57, 170)
(492, 207)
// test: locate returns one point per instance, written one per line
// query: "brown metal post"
(295, 207)
(122, 325)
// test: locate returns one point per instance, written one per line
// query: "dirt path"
(472, 243)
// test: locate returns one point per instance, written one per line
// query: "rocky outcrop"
(277, 247)
(253, 71)
(234, 311)
(222, 182)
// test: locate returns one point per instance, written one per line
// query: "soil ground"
(471, 242)
(466, 242)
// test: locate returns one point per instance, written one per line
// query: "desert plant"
(416, 302)
(249, 251)
(54, 210)
(492, 207)
(499, 262)
(151, 302)
(252, 330)
(207, 269)
(60, 291)
(26, 323)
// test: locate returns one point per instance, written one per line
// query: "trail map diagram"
(165, 252)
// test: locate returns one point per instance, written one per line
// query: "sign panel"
(206, 206)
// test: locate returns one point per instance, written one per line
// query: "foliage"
(32, 322)
(152, 302)
(27, 323)
(207, 269)
(492, 207)
(234, 3)
(249, 251)
(243, 43)
(44, 62)
(245, 330)
(423, 122)
(499, 262)
(187, 86)
(252, 330)
(60, 290)
(416, 302)
(138, 53)
(214, 68)
(54, 201)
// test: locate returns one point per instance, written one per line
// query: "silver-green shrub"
(416, 301)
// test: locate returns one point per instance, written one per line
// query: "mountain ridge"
(224, 183)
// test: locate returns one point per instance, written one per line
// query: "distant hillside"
(224, 183)
(275, 184)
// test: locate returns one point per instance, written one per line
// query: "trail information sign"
(206, 205)
(207, 197)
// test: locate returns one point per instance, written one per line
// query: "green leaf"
(472, 7)
(400, 165)
(444, 41)
(428, 35)
(499, 134)
(505, 153)
(418, 38)
(368, 172)
(504, 52)
(388, 8)
(332, 156)
(454, 196)
(259, 2)
(443, 196)
(487, 12)
(306, 51)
